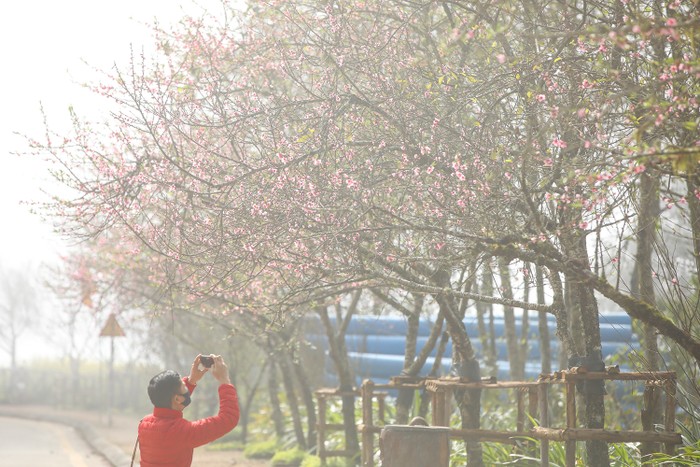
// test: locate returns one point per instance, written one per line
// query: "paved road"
(29, 443)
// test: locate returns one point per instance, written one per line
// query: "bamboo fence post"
(670, 415)
(438, 403)
(447, 407)
(520, 417)
(542, 391)
(570, 445)
(321, 431)
(532, 402)
(381, 401)
(367, 424)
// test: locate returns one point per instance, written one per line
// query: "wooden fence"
(532, 400)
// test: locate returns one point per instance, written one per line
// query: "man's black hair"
(162, 387)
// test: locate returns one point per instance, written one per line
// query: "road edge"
(109, 451)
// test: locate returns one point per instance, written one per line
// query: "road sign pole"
(110, 383)
(111, 329)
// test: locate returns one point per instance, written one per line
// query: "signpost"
(111, 329)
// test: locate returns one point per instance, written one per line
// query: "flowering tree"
(300, 150)
(18, 307)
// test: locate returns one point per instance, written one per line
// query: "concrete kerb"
(109, 451)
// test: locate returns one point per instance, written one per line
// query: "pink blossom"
(541, 98)
(671, 22)
(639, 168)
(559, 143)
(501, 58)
(548, 162)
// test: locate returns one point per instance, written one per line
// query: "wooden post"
(570, 445)
(381, 401)
(321, 430)
(438, 406)
(520, 416)
(543, 389)
(532, 402)
(441, 406)
(447, 407)
(670, 415)
(367, 424)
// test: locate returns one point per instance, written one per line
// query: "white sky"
(43, 45)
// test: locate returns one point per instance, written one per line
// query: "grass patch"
(290, 457)
(261, 450)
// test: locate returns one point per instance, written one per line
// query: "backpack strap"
(133, 454)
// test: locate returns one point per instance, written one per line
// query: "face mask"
(187, 400)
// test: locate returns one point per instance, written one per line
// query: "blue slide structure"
(376, 344)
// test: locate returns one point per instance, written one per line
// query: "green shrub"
(315, 461)
(225, 446)
(262, 450)
(311, 461)
(293, 456)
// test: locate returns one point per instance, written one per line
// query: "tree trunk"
(646, 236)
(517, 363)
(593, 391)
(487, 334)
(404, 400)
(465, 365)
(425, 400)
(288, 382)
(543, 328)
(338, 353)
(694, 212)
(273, 389)
(308, 398)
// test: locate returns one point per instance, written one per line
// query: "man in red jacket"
(167, 439)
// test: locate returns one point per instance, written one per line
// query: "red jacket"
(167, 439)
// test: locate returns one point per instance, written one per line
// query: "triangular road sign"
(112, 328)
